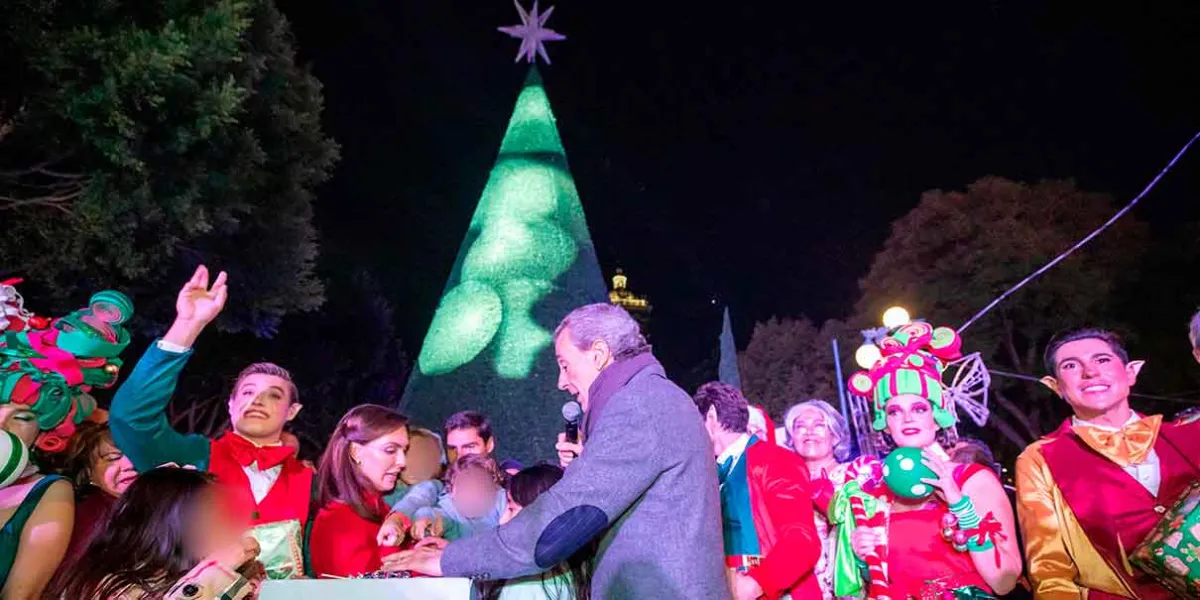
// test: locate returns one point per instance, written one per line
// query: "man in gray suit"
(646, 487)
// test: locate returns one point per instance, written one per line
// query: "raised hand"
(199, 303)
(944, 483)
(196, 306)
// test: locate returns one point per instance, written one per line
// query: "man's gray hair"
(1194, 333)
(603, 321)
(837, 427)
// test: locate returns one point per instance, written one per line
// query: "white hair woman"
(818, 433)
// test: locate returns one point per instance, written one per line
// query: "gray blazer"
(646, 487)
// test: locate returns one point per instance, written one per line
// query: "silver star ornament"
(533, 33)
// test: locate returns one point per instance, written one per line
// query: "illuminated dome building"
(638, 306)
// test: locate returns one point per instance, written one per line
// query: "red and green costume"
(767, 519)
(923, 563)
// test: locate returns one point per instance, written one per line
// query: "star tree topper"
(533, 33)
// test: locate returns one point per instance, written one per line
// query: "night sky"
(735, 152)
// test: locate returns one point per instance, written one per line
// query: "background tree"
(790, 360)
(140, 139)
(956, 251)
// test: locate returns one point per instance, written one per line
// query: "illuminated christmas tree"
(526, 262)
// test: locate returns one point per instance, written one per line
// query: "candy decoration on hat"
(52, 368)
(14, 457)
(13, 316)
(913, 358)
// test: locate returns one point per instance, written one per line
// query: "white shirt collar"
(735, 449)
(1076, 421)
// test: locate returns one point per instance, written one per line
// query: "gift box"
(1171, 552)
(281, 549)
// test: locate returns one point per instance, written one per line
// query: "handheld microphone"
(571, 411)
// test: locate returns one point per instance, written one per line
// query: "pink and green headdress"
(52, 365)
(912, 360)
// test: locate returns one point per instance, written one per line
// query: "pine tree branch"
(59, 202)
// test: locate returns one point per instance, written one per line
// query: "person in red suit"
(362, 462)
(771, 543)
(262, 477)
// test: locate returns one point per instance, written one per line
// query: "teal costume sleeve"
(138, 418)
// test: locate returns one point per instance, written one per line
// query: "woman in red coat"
(362, 462)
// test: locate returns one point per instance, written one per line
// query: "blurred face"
(474, 493)
(577, 369)
(260, 406)
(21, 422)
(381, 460)
(510, 510)
(111, 470)
(423, 461)
(465, 442)
(211, 527)
(910, 421)
(812, 434)
(1092, 378)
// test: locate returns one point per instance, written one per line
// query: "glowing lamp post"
(895, 317)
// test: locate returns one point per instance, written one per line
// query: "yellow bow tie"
(1128, 446)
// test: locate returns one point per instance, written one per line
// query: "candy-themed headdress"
(913, 359)
(50, 366)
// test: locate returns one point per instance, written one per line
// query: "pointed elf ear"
(1134, 367)
(1051, 383)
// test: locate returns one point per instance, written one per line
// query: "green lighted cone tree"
(527, 260)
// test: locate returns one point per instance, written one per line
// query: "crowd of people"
(665, 494)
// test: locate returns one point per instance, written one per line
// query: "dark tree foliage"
(957, 250)
(138, 139)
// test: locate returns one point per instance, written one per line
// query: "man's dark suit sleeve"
(620, 463)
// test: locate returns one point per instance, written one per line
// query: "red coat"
(289, 498)
(343, 543)
(781, 501)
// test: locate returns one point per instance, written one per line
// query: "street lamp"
(895, 317)
(867, 354)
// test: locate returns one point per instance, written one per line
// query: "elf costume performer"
(47, 369)
(50, 366)
(1108, 501)
(771, 543)
(267, 485)
(956, 544)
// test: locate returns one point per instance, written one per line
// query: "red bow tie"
(246, 453)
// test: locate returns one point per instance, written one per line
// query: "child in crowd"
(569, 580)
(475, 502)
